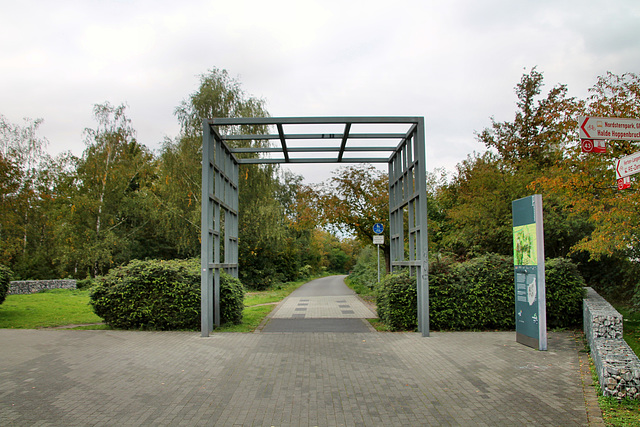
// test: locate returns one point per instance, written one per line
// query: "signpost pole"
(378, 263)
(378, 240)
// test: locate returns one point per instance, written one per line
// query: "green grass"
(58, 307)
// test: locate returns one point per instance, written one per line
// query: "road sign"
(378, 240)
(378, 228)
(628, 165)
(594, 146)
(624, 183)
(609, 128)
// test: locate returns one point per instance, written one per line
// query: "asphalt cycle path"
(322, 305)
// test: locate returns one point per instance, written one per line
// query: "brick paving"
(124, 378)
(342, 307)
(289, 375)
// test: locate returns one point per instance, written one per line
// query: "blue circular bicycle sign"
(378, 228)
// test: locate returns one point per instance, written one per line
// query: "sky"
(455, 62)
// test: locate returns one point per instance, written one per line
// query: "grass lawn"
(63, 307)
(57, 307)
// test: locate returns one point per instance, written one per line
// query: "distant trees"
(81, 216)
(351, 202)
(585, 216)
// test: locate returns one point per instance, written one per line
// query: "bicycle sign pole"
(378, 240)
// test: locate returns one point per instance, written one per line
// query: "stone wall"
(617, 365)
(18, 287)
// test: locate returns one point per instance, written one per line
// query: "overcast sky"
(455, 62)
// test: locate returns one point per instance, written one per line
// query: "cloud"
(455, 62)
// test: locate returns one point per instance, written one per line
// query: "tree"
(24, 193)
(477, 202)
(353, 200)
(262, 226)
(108, 210)
(586, 182)
(540, 130)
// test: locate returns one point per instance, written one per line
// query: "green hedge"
(5, 282)
(565, 292)
(397, 301)
(478, 295)
(473, 295)
(161, 295)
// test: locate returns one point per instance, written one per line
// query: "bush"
(565, 292)
(161, 295)
(397, 301)
(87, 283)
(479, 295)
(473, 295)
(5, 282)
(365, 272)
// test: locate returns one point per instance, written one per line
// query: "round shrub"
(161, 295)
(5, 282)
(564, 287)
(397, 301)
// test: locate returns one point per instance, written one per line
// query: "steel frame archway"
(397, 141)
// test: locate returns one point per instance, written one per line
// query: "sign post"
(378, 240)
(528, 260)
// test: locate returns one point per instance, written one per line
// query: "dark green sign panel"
(528, 258)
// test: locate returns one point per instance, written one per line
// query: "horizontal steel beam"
(308, 149)
(313, 160)
(222, 121)
(252, 137)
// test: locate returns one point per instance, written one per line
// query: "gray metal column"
(408, 192)
(206, 232)
(219, 219)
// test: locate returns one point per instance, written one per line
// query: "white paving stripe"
(334, 307)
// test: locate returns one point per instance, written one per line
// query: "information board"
(528, 259)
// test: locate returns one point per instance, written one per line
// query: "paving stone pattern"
(124, 378)
(342, 307)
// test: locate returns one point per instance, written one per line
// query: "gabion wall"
(19, 287)
(617, 365)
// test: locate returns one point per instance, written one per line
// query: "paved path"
(123, 378)
(322, 305)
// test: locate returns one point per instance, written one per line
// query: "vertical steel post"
(422, 241)
(206, 237)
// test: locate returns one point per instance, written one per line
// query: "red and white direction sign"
(609, 128)
(628, 165)
(624, 183)
(594, 146)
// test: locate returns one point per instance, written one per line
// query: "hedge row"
(478, 295)
(161, 295)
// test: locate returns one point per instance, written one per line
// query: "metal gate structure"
(397, 141)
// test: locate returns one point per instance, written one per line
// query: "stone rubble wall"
(617, 365)
(21, 287)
